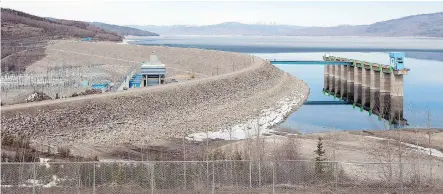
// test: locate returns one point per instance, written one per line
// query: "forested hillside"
(123, 30)
(24, 36)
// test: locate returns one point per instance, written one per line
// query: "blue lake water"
(423, 92)
(423, 86)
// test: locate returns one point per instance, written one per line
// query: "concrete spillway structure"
(373, 87)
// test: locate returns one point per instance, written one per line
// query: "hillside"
(228, 28)
(122, 30)
(419, 25)
(24, 36)
(429, 25)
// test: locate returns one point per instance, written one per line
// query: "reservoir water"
(423, 93)
(423, 86)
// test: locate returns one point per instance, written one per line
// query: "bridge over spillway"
(373, 87)
(326, 103)
(311, 62)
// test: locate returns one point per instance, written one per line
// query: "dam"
(372, 87)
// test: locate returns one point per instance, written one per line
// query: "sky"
(213, 12)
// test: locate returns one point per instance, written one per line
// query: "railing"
(222, 176)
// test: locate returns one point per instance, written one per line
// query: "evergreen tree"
(320, 157)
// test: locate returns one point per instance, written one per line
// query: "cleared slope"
(24, 36)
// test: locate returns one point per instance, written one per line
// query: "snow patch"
(377, 138)
(424, 150)
(114, 160)
(125, 41)
(268, 118)
(52, 183)
(45, 162)
(31, 97)
(428, 151)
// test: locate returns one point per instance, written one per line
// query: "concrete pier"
(373, 87)
(326, 78)
(350, 83)
(343, 82)
(337, 80)
(396, 85)
(385, 83)
(396, 94)
(385, 89)
(365, 95)
(374, 91)
(331, 79)
(357, 85)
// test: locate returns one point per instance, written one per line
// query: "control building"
(148, 70)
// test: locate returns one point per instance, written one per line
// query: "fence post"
(152, 177)
(93, 179)
(401, 178)
(213, 178)
(431, 182)
(250, 173)
(79, 178)
(34, 178)
(259, 172)
(207, 170)
(184, 174)
(336, 175)
(273, 177)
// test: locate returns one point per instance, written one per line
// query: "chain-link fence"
(59, 81)
(226, 176)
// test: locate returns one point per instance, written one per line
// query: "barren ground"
(360, 156)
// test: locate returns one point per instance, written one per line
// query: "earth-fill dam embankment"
(229, 89)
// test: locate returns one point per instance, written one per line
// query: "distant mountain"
(430, 25)
(122, 30)
(418, 25)
(228, 28)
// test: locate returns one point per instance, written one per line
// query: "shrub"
(15, 141)
(320, 157)
(7, 140)
(24, 155)
(218, 154)
(64, 152)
